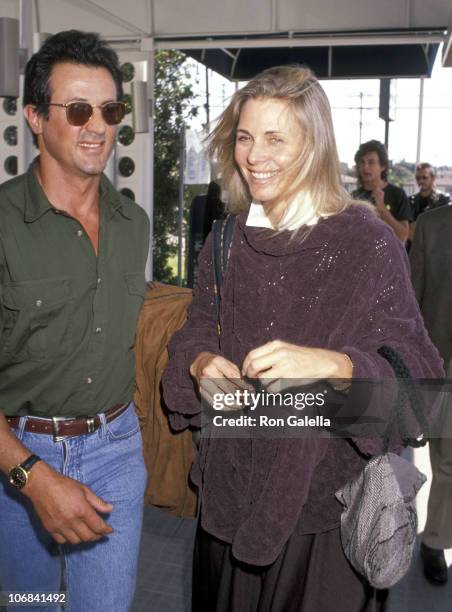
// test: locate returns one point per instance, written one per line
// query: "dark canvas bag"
(379, 521)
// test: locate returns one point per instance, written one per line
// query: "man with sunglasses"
(72, 260)
(427, 197)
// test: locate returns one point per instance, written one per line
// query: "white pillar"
(419, 122)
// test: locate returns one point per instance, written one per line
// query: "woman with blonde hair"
(314, 285)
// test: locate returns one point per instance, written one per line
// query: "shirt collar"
(37, 204)
(258, 218)
(112, 199)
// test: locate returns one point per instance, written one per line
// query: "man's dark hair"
(73, 46)
(374, 146)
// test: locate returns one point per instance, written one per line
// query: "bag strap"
(407, 395)
(222, 232)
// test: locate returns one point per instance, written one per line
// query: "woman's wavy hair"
(318, 180)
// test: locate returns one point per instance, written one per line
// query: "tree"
(401, 173)
(174, 98)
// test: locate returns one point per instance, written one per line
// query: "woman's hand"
(281, 360)
(217, 375)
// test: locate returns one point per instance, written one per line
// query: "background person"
(204, 209)
(307, 294)
(431, 260)
(72, 258)
(427, 198)
(390, 201)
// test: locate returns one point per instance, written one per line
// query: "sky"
(346, 97)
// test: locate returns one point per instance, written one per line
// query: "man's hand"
(378, 196)
(68, 510)
(216, 375)
(401, 228)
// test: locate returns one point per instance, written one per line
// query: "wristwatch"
(18, 475)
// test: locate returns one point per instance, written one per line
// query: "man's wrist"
(384, 212)
(19, 474)
(38, 471)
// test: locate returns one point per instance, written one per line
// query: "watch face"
(18, 477)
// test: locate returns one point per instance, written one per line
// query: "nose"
(96, 122)
(257, 152)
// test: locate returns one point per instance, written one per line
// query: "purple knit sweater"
(344, 287)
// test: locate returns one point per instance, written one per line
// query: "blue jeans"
(100, 575)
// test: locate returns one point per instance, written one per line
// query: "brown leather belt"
(64, 427)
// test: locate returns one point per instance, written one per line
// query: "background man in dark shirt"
(390, 201)
(427, 197)
(72, 258)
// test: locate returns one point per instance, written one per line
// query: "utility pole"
(384, 109)
(207, 102)
(419, 122)
(180, 222)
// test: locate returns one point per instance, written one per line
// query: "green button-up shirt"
(67, 316)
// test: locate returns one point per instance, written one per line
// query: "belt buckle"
(90, 423)
(56, 435)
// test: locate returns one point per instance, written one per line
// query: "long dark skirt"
(310, 575)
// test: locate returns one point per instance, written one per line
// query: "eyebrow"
(267, 132)
(80, 99)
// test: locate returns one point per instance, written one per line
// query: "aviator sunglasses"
(79, 113)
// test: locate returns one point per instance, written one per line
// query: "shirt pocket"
(135, 289)
(38, 319)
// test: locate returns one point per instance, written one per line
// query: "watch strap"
(29, 462)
